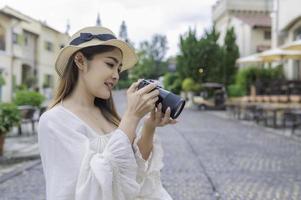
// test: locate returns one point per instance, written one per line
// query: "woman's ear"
(80, 61)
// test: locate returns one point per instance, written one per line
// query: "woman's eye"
(110, 64)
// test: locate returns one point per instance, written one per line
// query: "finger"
(147, 89)
(153, 100)
(133, 87)
(153, 115)
(166, 116)
(152, 94)
(173, 121)
(159, 113)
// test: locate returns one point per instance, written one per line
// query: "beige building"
(251, 21)
(286, 29)
(28, 49)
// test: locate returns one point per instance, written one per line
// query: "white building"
(286, 29)
(251, 21)
(28, 49)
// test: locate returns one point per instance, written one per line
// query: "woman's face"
(102, 73)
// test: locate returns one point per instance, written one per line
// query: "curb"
(19, 170)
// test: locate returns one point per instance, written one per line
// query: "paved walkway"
(206, 157)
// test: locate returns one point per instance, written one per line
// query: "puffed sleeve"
(149, 171)
(74, 170)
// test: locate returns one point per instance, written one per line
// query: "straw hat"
(94, 36)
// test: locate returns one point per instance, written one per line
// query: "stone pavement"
(207, 156)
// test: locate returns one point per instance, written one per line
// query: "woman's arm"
(128, 125)
(145, 143)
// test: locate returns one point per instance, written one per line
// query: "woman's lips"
(109, 85)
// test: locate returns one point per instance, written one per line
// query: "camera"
(166, 98)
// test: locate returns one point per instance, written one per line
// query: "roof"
(256, 20)
(18, 15)
(291, 23)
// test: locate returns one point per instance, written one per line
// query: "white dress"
(81, 164)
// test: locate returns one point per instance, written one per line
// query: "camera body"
(166, 98)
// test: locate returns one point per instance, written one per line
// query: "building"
(251, 21)
(287, 29)
(28, 48)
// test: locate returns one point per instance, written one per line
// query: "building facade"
(251, 21)
(286, 19)
(28, 49)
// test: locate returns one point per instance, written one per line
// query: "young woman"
(88, 152)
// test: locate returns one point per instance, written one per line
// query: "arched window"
(2, 38)
(297, 33)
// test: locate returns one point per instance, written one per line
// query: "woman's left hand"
(158, 119)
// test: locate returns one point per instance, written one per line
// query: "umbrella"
(279, 54)
(295, 45)
(249, 59)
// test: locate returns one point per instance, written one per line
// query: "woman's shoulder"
(56, 114)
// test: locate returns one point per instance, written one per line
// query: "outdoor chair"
(27, 116)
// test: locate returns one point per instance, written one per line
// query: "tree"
(231, 53)
(151, 62)
(188, 61)
(211, 56)
(202, 53)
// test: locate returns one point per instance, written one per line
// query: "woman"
(88, 152)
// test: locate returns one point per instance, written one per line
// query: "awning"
(249, 59)
(295, 45)
(279, 54)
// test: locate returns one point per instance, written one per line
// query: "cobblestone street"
(207, 157)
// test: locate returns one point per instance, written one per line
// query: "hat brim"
(129, 57)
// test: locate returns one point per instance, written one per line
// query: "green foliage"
(26, 97)
(2, 80)
(202, 53)
(249, 75)
(189, 85)
(151, 64)
(124, 84)
(9, 117)
(231, 53)
(211, 57)
(172, 82)
(31, 81)
(22, 87)
(236, 90)
(188, 61)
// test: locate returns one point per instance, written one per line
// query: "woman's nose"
(116, 75)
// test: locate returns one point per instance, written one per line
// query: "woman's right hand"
(141, 101)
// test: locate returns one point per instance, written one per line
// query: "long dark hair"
(70, 76)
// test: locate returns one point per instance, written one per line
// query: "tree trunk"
(2, 137)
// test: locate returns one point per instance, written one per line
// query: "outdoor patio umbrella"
(279, 55)
(295, 45)
(254, 58)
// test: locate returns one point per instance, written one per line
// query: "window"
(25, 40)
(267, 35)
(48, 81)
(297, 34)
(2, 39)
(18, 39)
(48, 46)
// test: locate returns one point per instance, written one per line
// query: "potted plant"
(9, 117)
(26, 97)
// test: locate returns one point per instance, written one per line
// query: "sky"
(143, 18)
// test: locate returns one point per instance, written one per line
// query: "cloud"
(144, 18)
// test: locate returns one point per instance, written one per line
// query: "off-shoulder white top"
(80, 164)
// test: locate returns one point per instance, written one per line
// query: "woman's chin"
(104, 95)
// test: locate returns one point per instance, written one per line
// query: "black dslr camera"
(167, 99)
